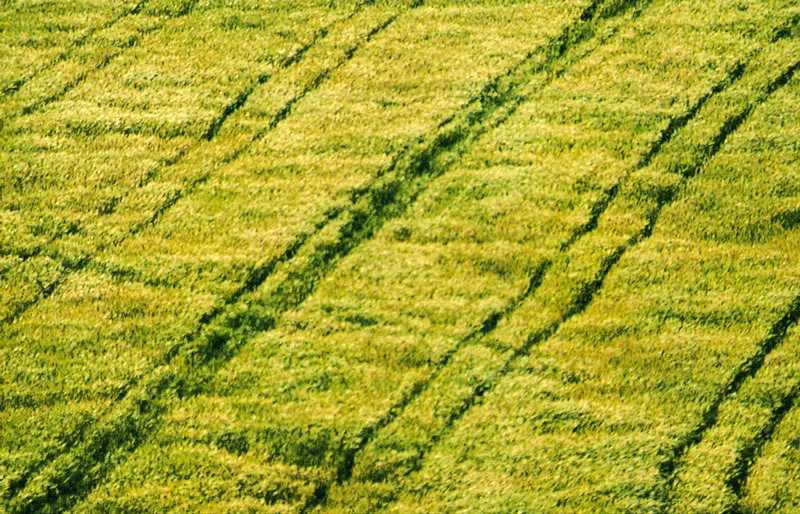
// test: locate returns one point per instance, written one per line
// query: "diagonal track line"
(747, 457)
(404, 180)
(581, 301)
(777, 332)
(778, 395)
(81, 77)
(665, 137)
(747, 370)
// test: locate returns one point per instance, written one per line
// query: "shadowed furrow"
(749, 454)
(767, 481)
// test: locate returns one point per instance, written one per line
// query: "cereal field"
(352, 256)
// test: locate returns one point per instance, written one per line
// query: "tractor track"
(778, 331)
(387, 198)
(748, 455)
(77, 265)
(81, 77)
(747, 370)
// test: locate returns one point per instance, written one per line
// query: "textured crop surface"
(358, 256)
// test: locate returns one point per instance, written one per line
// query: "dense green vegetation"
(399, 256)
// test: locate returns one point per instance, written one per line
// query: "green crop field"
(355, 256)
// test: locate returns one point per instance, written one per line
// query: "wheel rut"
(82, 76)
(746, 455)
(778, 331)
(750, 453)
(70, 267)
(224, 330)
